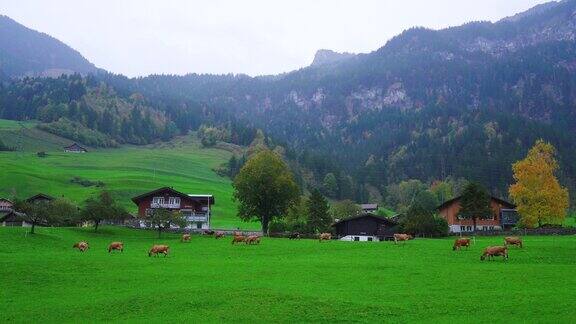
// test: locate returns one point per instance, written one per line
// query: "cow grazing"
(81, 246)
(186, 238)
(116, 246)
(325, 237)
(253, 239)
(460, 242)
(294, 236)
(238, 239)
(493, 251)
(513, 240)
(218, 235)
(208, 232)
(157, 249)
(401, 237)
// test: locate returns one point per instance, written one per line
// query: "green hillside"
(127, 171)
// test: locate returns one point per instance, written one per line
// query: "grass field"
(126, 171)
(43, 279)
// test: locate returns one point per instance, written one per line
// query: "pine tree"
(319, 219)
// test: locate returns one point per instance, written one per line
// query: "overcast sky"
(141, 37)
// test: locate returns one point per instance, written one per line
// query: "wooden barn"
(13, 218)
(504, 216)
(40, 198)
(75, 148)
(365, 227)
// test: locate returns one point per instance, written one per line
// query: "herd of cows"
(489, 252)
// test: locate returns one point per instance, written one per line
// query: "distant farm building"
(365, 227)
(196, 208)
(40, 198)
(504, 216)
(75, 148)
(369, 208)
(13, 218)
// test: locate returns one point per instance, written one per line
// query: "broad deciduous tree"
(162, 219)
(537, 193)
(100, 208)
(264, 188)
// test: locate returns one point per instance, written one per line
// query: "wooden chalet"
(196, 208)
(75, 148)
(504, 216)
(365, 227)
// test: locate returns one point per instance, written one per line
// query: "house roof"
(8, 200)
(75, 145)
(5, 214)
(499, 200)
(40, 196)
(137, 199)
(369, 206)
(369, 215)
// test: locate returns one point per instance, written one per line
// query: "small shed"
(365, 227)
(369, 208)
(13, 218)
(75, 148)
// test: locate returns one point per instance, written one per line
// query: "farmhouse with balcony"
(504, 216)
(365, 227)
(196, 208)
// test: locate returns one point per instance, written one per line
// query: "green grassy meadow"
(43, 279)
(126, 171)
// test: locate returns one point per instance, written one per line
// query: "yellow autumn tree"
(537, 193)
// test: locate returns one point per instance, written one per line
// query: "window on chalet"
(158, 200)
(174, 200)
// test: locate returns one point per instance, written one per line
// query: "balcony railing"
(198, 217)
(164, 205)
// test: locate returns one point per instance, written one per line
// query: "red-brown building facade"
(196, 208)
(504, 216)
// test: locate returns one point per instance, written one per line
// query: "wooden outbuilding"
(40, 198)
(365, 227)
(75, 148)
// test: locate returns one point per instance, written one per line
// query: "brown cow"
(493, 251)
(81, 246)
(186, 238)
(156, 249)
(460, 242)
(401, 237)
(325, 237)
(116, 246)
(513, 240)
(253, 239)
(238, 239)
(218, 235)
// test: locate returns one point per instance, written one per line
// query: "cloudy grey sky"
(140, 37)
